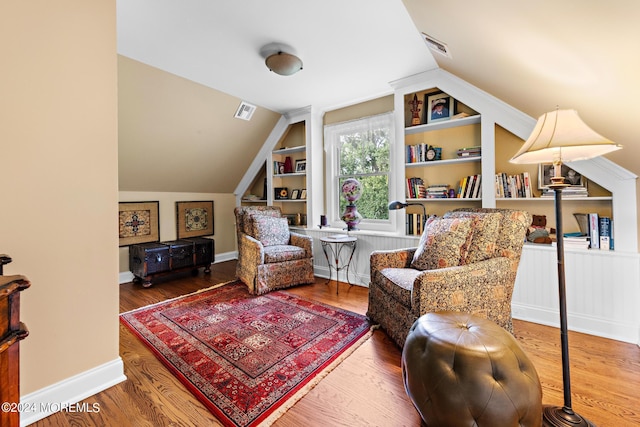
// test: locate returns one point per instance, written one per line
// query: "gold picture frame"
(194, 219)
(138, 222)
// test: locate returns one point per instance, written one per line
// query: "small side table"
(336, 245)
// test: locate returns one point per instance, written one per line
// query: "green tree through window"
(362, 150)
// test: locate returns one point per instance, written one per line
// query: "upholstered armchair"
(466, 261)
(270, 256)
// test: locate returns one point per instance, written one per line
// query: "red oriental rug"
(247, 358)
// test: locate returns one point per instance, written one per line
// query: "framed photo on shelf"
(571, 177)
(138, 223)
(295, 194)
(194, 219)
(439, 107)
(301, 166)
(303, 194)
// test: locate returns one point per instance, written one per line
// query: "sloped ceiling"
(177, 132)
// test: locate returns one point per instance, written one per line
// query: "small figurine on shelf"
(415, 110)
(538, 231)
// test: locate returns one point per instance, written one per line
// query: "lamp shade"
(561, 135)
(283, 63)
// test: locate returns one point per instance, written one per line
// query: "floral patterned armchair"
(466, 261)
(269, 255)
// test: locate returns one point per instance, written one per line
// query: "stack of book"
(576, 240)
(438, 191)
(469, 152)
(571, 191)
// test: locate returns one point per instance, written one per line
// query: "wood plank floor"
(366, 389)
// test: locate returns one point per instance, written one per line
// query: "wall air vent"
(245, 111)
(436, 45)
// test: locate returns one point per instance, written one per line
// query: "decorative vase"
(351, 190)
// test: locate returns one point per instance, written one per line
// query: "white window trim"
(331, 172)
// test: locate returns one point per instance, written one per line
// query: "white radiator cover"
(603, 287)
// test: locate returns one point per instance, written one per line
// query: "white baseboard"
(59, 396)
(578, 322)
(127, 276)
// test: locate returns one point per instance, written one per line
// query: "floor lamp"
(560, 136)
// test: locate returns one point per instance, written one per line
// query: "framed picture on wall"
(194, 219)
(138, 222)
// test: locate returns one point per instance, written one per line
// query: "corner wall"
(59, 151)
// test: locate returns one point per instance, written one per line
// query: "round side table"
(333, 248)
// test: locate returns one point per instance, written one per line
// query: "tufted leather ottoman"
(463, 370)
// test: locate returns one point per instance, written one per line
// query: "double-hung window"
(360, 149)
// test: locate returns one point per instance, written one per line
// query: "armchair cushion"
(281, 253)
(271, 231)
(485, 233)
(443, 243)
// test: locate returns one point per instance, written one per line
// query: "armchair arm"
(484, 288)
(395, 258)
(251, 249)
(303, 241)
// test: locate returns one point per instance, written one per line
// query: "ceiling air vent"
(245, 111)
(436, 45)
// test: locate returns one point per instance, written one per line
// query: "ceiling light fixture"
(283, 63)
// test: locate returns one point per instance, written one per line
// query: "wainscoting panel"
(603, 287)
(603, 291)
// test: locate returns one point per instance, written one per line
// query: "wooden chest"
(203, 250)
(148, 258)
(180, 253)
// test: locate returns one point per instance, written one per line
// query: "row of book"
(513, 186)
(415, 188)
(571, 191)
(470, 187)
(598, 233)
(414, 224)
(418, 153)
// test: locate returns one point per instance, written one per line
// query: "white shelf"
(288, 175)
(444, 162)
(550, 199)
(290, 150)
(471, 120)
(448, 199)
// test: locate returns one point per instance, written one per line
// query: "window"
(361, 149)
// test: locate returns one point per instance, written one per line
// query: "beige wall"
(58, 148)
(223, 225)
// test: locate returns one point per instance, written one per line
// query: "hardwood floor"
(364, 390)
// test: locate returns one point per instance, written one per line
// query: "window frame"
(332, 177)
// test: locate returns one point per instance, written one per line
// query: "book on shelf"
(470, 187)
(418, 153)
(594, 230)
(415, 188)
(513, 186)
(438, 191)
(469, 152)
(576, 240)
(606, 235)
(414, 223)
(567, 192)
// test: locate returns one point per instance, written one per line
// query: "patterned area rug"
(247, 358)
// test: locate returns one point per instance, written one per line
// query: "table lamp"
(560, 136)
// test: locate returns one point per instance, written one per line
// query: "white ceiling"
(350, 49)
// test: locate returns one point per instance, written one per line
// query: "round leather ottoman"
(462, 370)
